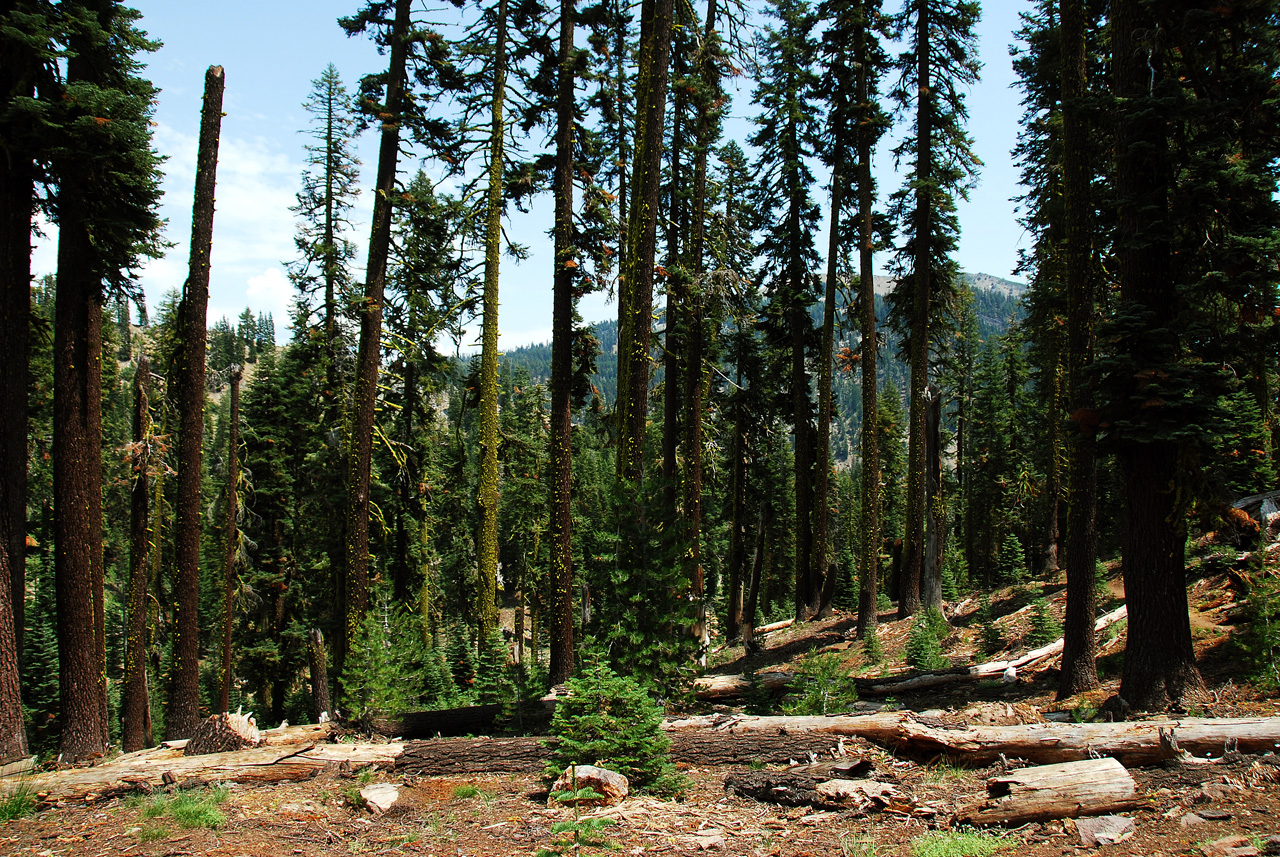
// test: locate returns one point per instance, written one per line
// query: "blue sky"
(273, 49)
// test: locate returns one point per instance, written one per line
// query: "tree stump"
(222, 733)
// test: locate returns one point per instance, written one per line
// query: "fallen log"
(149, 769)
(1066, 790)
(819, 789)
(445, 722)
(715, 687)
(1145, 742)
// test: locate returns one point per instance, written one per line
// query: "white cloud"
(272, 292)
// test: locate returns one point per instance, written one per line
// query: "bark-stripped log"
(1067, 790)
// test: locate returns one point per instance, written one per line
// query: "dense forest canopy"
(339, 512)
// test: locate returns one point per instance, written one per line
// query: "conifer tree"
(107, 195)
(135, 702)
(787, 135)
(939, 63)
(328, 192)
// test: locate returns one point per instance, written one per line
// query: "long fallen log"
(149, 769)
(1066, 790)
(1144, 742)
(711, 740)
(715, 687)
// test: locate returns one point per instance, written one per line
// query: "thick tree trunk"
(1159, 663)
(232, 535)
(18, 68)
(922, 294)
(13, 735)
(183, 715)
(931, 569)
(77, 466)
(635, 289)
(738, 513)
(1079, 671)
(806, 600)
(135, 700)
(869, 513)
(487, 538)
(353, 579)
(826, 365)
(560, 624)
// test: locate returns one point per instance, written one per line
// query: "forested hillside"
(326, 516)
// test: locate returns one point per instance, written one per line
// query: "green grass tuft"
(17, 801)
(957, 843)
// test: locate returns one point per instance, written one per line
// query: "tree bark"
(1159, 662)
(560, 624)
(869, 349)
(922, 293)
(135, 701)
(18, 70)
(183, 715)
(13, 735)
(487, 538)
(635, 289)
(1079, 670)
(321, 706)
(353, 582)
(232, 535)
(77, 466)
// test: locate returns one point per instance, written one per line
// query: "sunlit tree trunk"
(135, 703)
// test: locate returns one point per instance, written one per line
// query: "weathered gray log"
(1133, 742)
(712, 687)
(1066, 790)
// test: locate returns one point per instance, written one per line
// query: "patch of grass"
(942, 772)
(366, 776)
(17, 801)
(466, 791)
(189, 809)
(756, 764)
(351, 794)
(857, 846)
(199, 809)
(151, 832)
(957, 843)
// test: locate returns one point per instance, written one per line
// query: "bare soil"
(1186, 807)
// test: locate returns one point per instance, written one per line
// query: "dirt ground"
(1184, 810)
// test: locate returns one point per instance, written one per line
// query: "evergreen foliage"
(992, 640)
(823, 685)
(924, 650)
(609, 720)
(1045, 627)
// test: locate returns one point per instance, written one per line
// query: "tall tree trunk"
(487, 547)
(737, 521)
(922, 268)
(77, 481)
(931, 568)
(135, 703)
(695, 339)
(354, 577)
(1079, 642)
(635, 290)
(1159, 662)
(804, 444)
(183, 715)
(560, 620)
(826, 365)
(232, 535)
(17, 205)
(869, 349)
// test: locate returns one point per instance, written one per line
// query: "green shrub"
(871, 648)
(1045, 627)
(1011, 562)
(822, 685)
(608, 720)
(991, 639)
(883, 604)
(923, 649)
(1261, 640)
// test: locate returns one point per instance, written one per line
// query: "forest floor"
(1229, 808)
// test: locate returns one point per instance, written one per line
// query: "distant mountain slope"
(996, 303)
